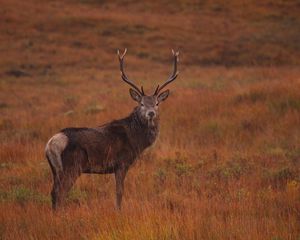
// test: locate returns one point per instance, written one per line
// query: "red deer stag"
(110, 148)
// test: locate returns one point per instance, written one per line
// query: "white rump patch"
(54, 148)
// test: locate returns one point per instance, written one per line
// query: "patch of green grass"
(94, 109)
(179, 165)
(183, 168)
(77, 195)
(233, 169)
(69, 113)
(281, 105)
(276, 152)
(6, 165)
(23, 195)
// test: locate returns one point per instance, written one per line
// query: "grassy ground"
(227, 163)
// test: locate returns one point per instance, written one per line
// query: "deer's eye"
(142, 105)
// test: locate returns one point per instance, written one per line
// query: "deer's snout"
(151, 114)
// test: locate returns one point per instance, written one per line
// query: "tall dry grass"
(226, 164)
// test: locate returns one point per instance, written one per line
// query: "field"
(227, 161)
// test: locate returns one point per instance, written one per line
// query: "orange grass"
(227, 162)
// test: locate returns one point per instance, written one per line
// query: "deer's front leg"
(120, 177)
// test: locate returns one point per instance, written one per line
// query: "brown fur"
(111, 148)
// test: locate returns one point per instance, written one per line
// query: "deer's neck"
(142, 132)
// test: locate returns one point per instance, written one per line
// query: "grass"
(227, 162)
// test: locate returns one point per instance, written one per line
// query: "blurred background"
(227, 163)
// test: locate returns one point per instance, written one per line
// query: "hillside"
(227, 162)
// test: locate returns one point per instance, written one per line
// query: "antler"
(172, 77)
(123, 75)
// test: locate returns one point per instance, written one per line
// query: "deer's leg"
(67, 178)
(120, 177)
(62, 187)
(57, 175)
(55, 193)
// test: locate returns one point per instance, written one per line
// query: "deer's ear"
(135, 95)
(163, 96)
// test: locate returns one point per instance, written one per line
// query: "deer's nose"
(151, 114)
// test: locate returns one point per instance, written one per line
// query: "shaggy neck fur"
(143, 132)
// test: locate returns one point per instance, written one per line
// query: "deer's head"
(148, 104)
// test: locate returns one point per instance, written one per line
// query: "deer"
(111, 148)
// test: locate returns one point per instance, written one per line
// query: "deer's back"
(102, 148)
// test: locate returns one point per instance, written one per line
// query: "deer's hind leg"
(73, 160)
(65, 173)
(62, 187)
(54, 148)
